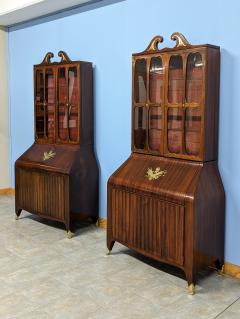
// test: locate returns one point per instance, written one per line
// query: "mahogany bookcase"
(57, 177)
(167, 200)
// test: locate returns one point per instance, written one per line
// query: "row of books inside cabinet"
(191, 128)
(175, 91)
(68, 125)
(66, 93)
(176, 82)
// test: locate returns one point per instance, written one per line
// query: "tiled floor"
(45, 275)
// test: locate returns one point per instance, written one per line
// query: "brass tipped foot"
(221, 271)
(191, 289)
(108, 252)
(17, 217)
(69, 234)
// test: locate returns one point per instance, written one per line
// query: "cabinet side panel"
(209, 217)
(86, 104)
(212, 104)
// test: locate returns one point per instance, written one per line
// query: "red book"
(192, 143)
(154, 139)
(156, 88)
(51, 122)
(174, 141)
(155, 118)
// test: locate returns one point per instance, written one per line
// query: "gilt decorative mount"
(155, 174)
(47, 58)
(48, 155)
(153, 45)
(63, 55)
(181, 41)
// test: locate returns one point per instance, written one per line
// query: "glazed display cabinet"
(167, 200)
(57, 177)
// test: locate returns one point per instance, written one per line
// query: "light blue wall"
(107, 36)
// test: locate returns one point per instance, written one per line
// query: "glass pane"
(174, 124)
(40, 120)
(140, 81)
(192, 130)
(175, 80)
(155, 128)
(62, 105)
(140, 119)
(156, 80)
(50, 100)
(73, 99)
(39, 86)
(194, 78)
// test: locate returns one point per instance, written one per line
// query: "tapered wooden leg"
(17, 212)
(110, 245)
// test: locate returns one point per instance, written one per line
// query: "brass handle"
(155, 174)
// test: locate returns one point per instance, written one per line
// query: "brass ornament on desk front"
(155, 174)
(48, 155)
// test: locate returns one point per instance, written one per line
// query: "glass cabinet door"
(194, 89)
(174, 129)
(194, 81)
(156, 81)
(175, 80)
(140, 116)
(39, 103)
(62, 104)
(140, 81)
(175, 114)
(73, 98)
(155, 128)
(50, 103)
(192, 130)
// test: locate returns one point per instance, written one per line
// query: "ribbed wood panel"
(34, 188)
(148, 224)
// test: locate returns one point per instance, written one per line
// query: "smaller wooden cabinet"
(167, 200)
(57, 177)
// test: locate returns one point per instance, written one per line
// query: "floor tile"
(44, 275)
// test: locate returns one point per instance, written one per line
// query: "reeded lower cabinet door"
(148, 225)
(43, 192)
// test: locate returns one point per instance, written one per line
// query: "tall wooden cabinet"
(57, 177)
(167, 200)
